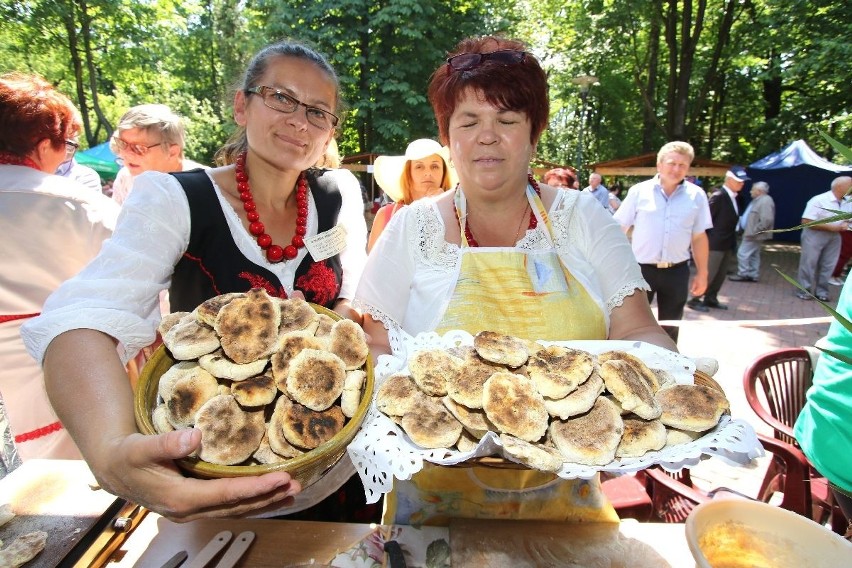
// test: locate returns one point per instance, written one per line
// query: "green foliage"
(770, 73)
(384, 54)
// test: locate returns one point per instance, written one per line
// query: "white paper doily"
(382, 451)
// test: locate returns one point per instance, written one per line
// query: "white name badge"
(327, 244)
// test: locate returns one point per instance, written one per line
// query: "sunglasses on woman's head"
(468, 61)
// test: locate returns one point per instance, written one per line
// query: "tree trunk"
(711, 75)
(70, 21)
(682, 34)
(648, 87)
(772, 88)
(86, 33)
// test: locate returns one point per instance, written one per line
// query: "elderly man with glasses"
(148, 137)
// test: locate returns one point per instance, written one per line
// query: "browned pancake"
(248, 326)
(398, 394)
(296, 315)
(347, 341)
(324, 324)
(288, 347)
(187, 396)
(468, 385)
(168, 321)
(591, 438)
(351, 397)
(208, 311)
(630, 387)
(189, 339)
(160, 419)
(535, 456)
(640, 436)
(264, 454)
(695, 408)
(557, 371)
(174, 373)
(638, 366)
(306, 428)
(278, 442)
(315, 379)
(218, 365)
(474, 420)
(501, 349)
(255, 391)
(432, 369)
(579, 401)
(229, 434)
(512, 403)
(430, 425)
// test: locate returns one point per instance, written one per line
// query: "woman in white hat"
(422, 172)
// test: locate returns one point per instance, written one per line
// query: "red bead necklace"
(533, 221)
(274, 253)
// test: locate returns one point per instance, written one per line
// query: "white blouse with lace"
(412, 270)
(118, 292)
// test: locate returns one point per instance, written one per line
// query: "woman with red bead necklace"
(504, 254)
(266, 219)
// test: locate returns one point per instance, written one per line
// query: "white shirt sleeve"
(595, 250)
(117, 293)
(385, 287)
(625, 215)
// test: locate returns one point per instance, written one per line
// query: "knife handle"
(396, 558)
(236, 550)
(211, 549)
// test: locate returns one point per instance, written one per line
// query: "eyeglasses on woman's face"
(70, 149)
(468, 61)
(282, 102)
(118, 146)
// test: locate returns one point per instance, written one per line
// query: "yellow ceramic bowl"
(736, 533)
(307, 468)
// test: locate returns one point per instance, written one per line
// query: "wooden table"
(473, 543)
(59, 496)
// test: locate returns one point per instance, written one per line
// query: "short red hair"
(520, 87)
(31, 109)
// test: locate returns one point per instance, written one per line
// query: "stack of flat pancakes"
(265, 379)
(550, 405)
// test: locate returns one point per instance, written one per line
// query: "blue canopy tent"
(794, 174)
(101, 159)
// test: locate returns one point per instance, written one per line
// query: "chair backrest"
(673, 495)
(782, 377)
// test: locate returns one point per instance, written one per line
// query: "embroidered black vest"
(213, 264)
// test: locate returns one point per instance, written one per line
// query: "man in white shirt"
(724, 212)
(598, 190)
(669, 215)
(821, 243)
(148, 137)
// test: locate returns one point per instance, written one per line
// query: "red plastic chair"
(674, 496)
(780, 378)
(628, 497)
(775, 386)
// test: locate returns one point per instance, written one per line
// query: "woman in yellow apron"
(500, 253)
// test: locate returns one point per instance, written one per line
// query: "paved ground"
(761, 316)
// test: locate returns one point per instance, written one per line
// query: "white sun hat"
(388, 170)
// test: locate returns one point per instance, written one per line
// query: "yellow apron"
(508, 290)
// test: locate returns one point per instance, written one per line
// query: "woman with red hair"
(51, 227)
(500, 253)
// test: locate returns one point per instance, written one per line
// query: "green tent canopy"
(101, 159)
